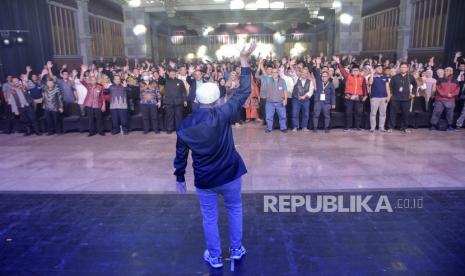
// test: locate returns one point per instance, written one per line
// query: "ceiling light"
(19, 40)
(277, 5)
(6, 42)
(263, 4)
(134, 3)
(236, 5)
(346, 18)
(337, 4)
(139, 29)
(251, 6)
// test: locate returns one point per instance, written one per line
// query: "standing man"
(354, 95)
(447, 89)
(301, 94)
(275, 91)
(264, 76)
(380, 94)
(218, 167)
(53, 106)
(66, 86)
(118, 106)
(94, 103)
(401, 86)
(22, 105)
(325, 97)
(175, 99)
(194, 84)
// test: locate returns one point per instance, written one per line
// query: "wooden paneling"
(63, 26)
(429, 23)
(107, 37)
(380, 30)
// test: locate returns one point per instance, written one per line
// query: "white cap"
(208, 93)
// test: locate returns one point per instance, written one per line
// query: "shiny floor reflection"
(276, 161)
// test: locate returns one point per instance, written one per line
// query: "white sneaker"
(237, 254)
(294, 130)
(214, 262)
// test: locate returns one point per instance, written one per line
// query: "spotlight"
(236, 5)
(6, 42)
(337, 4)
(139, 29)
(278, 5)
(346, 18)
(134, 3)
(19, 40)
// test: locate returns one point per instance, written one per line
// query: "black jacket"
(175, 92)
(400, 87)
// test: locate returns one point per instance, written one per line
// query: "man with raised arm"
(217, 165)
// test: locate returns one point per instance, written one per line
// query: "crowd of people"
(293, 88)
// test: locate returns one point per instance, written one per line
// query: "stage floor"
(276, 161)
(161, 234)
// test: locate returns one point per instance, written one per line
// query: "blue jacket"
(208, 134)
(329, 91)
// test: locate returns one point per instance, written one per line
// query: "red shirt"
(94, 97)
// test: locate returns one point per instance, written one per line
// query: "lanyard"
(324, 86)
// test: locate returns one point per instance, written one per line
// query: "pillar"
(83, 27)
(404, 29)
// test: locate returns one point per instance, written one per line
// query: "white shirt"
(81, 91)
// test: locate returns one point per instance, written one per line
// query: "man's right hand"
(181, 187)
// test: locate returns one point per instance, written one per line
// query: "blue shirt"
(208, 134)
(378, 88)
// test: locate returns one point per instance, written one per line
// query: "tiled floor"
(73, 205)
(161, 234)
(276, 161)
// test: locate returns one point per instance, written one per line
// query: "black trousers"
(119, 119)
(149, 115)
(399, 106)
(95, 119)
(173, 116)
(353, 109)
(53, 119)
(27, 116)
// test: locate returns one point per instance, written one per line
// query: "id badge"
(322, 97)
(401, 89)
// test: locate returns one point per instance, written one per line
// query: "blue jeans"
(270, 108)
(296, 107)
(208, 199)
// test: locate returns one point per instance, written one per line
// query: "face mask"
(146, 78)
